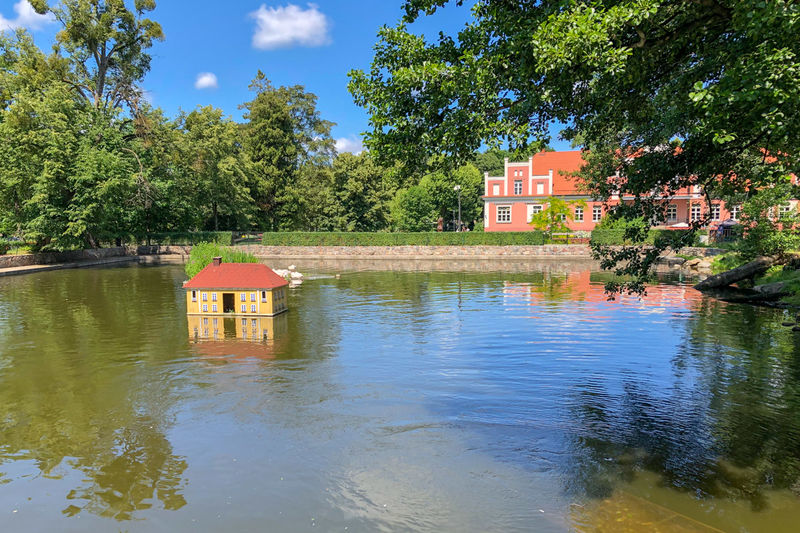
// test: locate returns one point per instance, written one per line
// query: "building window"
(252, 297)
(517, 187)
(205, 322)
(540, 188)
(205, 296)
(263, 296)
(213, 296)
(695, 212)
(205, 308)
(578, 214)
(244, 308)
(597, 213)
(244, 322)
(562, 217)
(715, 212)
(672, 213)
(194, 296)
(533, 209)
(214, 308)
(503, 214)
(216, 321)
(784, 210)
(253, 308)
(243, 297)
(254, 323)
(735, 212)
(496, 189)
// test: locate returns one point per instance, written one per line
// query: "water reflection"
(441, 401)
(74, 396)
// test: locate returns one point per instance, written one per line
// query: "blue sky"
(213, 49)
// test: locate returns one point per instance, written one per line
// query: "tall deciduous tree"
(664, 93)
(103, 46)
(284, 131)
(211, 149)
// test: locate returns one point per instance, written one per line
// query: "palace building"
(512, 199)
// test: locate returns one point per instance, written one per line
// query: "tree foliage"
(556, 215)
(662, 94)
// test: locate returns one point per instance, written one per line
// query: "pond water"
(396, 401)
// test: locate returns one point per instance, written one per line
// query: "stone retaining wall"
(11, 261)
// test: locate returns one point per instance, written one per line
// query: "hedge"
(468, 238)
(178, 238)
(616, 237)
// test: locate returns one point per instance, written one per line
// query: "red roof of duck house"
(236, 276)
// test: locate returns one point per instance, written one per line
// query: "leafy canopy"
(664, 94)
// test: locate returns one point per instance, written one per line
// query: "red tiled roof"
(236, 276)
(561, 163)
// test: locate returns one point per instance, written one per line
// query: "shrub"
(203, 253)
(429, 238)
(176, 238)
(5, 246)
(616, 237)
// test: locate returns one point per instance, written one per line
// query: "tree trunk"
(746, 271)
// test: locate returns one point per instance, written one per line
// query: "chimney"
(217, 261)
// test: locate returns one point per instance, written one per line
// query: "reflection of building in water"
(221, 336)
(578, 286)
(210, 327)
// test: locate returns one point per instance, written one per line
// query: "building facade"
(236, 289)
(512, 199)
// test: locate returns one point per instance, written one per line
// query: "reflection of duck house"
(203, 328)
(238, 290)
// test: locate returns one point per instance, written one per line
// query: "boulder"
(773, 289)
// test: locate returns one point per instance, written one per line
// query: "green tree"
(555, 217)
(211, 148)
(413, 210)
(101, 49)
(360, 194)
(284, 132)
(663, 94)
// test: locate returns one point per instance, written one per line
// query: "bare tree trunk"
(746, 271)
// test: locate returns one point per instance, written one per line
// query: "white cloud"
(26, 18)
(206, 80)
(279, 27)
(349, 144)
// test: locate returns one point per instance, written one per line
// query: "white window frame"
(205, 296)
(578, 214)
(540, 188)
(252, 297)
(517, 187)
(244, 308)
(213, 296)
(205, 308)
(695, 212)
(672, 213)
(214, 308)
(252, 308)
(597, 213)
(506, 209)
(495, 189)
(716, 210)
(784, 209)
(735, 212)
(243, 297)
(533, 209)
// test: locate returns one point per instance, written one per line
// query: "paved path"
(15, 271)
